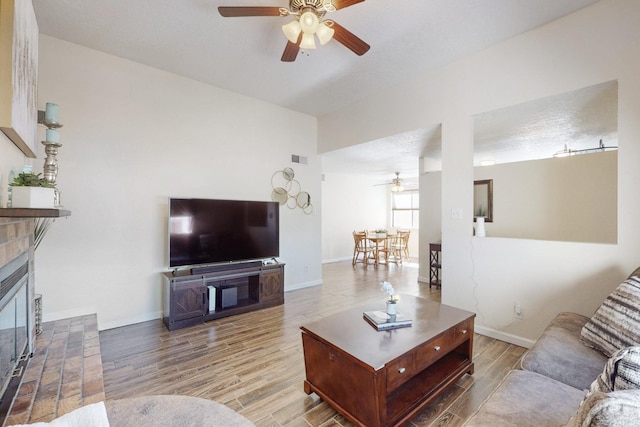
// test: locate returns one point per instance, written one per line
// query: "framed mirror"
(483, 199)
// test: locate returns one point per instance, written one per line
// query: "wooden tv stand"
(189, 298)
(385, 378)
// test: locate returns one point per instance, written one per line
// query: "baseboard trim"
(302, 285)
(329, 261)
(66, 314)
(503, 336)
(102, 326)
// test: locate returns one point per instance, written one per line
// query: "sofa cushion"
(616, 323)
(614, 409)
(527, 399)
(636, 272)
(622, 372)
(559, 353)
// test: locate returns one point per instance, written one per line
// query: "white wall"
(349, 203)
(488, 275)
(134, 136)
(570, 199)
(354, 202)
(430, 219)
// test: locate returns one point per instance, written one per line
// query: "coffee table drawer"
(400, 370)
(463, 331)
(428, 353)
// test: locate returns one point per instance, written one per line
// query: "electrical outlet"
(517, 311)
(306, 268)
(456, 213)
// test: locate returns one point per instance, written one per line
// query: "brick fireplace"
(17, 304)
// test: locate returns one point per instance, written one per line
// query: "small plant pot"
(33, 197)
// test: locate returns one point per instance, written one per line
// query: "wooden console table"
(385, 378)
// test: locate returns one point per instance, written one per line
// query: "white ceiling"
(538, 129)
(242, 55)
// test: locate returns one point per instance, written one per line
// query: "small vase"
(391, 308)
(480, 230)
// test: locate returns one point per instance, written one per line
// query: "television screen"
(208, 231)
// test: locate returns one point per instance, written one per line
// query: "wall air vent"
(299, 159)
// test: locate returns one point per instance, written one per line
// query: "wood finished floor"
(254, 363)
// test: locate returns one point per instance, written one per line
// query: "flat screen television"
(210, 231)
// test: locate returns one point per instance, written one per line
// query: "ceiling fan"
(307, 25)
(396, 184)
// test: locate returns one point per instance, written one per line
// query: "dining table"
(378, 241)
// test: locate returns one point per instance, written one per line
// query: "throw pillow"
(622, 372)
(616, 323)
(615, 409)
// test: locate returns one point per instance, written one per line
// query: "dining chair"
(403, 242)
(361, 246)
(391, 251)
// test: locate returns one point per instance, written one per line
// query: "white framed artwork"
(19, 73)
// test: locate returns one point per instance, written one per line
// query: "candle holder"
(51, 167)
(51, 146)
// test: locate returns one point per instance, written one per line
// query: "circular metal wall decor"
(279, 195)
(288, 191)
(288, 174)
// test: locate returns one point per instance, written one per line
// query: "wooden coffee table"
(384, 378)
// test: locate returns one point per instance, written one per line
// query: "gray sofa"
(552, 388)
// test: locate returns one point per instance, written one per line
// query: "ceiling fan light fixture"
(292, 30)
(308, 41)
(324, 33)
(309, 21)
(328, 6)
(397, 188)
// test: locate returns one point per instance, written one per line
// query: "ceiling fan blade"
(290, 52)
(341, 4)
(236, 11)
(350, 40)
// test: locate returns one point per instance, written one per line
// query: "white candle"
(51, 112)
(52, 135)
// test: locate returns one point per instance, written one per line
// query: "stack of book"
(383, 321)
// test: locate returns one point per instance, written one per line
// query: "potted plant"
(30, 190)
(392, 299)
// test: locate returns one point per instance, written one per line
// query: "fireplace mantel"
(33, 213)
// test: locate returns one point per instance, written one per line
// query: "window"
(404, 209)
